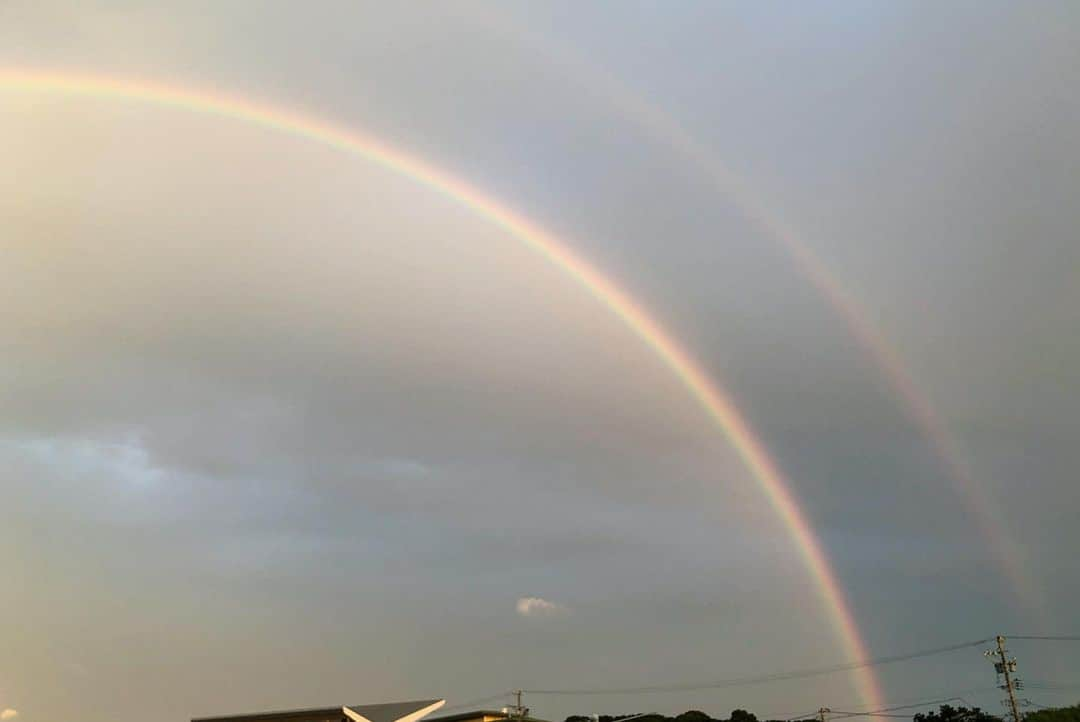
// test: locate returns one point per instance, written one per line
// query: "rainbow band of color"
(713, 400)
(656, 122)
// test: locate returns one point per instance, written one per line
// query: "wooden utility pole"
(1006, 668)
(520, 712)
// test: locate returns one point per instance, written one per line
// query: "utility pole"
(518, 711)
(1006, 669)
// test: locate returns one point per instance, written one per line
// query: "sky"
(281, 427)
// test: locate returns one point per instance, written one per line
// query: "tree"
(948, 713)
(694, 716)
(1061, 714)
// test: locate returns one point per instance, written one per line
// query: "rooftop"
(389, 712)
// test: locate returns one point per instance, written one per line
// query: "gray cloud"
(275, 420)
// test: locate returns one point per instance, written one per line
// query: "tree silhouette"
(948, 713)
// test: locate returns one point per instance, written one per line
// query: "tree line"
(944, 713)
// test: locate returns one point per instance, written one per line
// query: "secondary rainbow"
(716, 403)
(662, 126)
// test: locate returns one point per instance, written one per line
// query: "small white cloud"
(9, 713)
(537, 607)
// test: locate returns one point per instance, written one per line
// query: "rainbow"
(661, 126)
(713, 400)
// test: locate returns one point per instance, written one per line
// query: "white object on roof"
(393, 712)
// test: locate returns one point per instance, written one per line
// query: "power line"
(957, 697)
(760, 679)
(1040, 706)
(924, 703)
(1052, 686)
(1048, 637)
(887, 714)
(797, 674)
(474, 702)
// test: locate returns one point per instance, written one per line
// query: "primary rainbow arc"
(716, 402)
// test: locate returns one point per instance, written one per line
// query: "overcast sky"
(280, 428)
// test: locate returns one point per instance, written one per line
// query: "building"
(485, 715)
(391, 712)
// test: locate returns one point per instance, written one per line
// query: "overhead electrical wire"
(802, 674)
(879, 712)
(475, 702)
(1051, 686)
(760, 679)
(1047, 637)
(958, 696)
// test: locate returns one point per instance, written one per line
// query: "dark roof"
(390, 712)
(313, 713)
(476, 714)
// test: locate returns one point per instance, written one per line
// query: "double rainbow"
(715, 402)
(664, 128)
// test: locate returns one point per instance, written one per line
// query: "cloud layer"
(273, 420)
